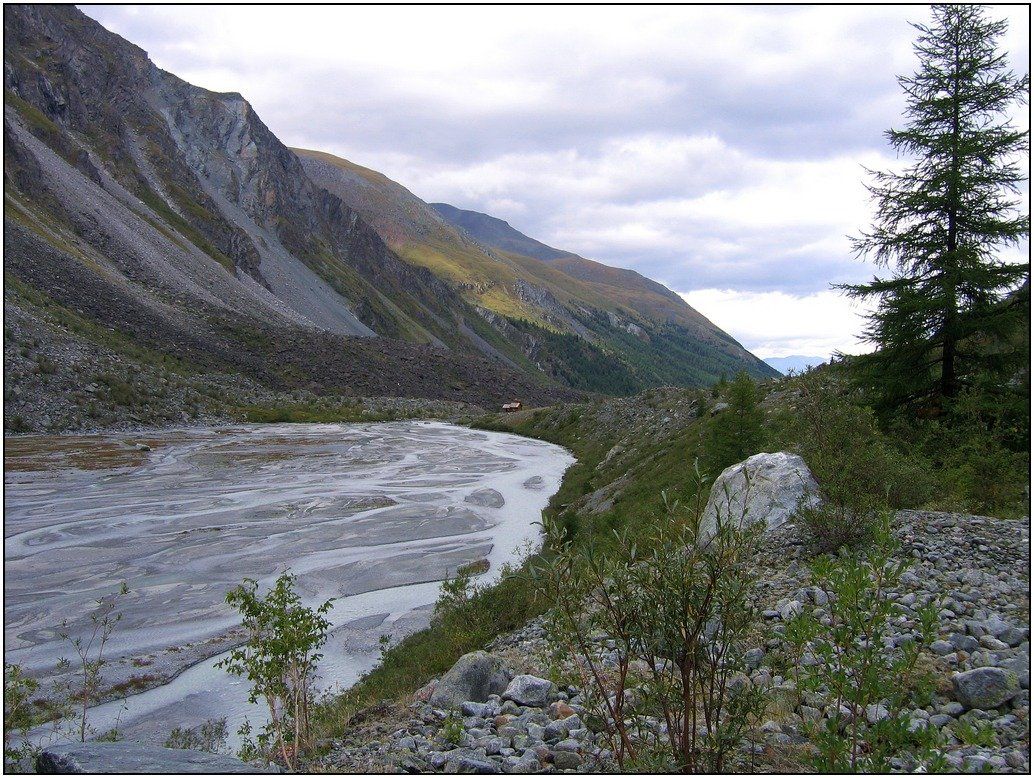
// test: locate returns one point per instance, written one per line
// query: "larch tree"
(940, 224)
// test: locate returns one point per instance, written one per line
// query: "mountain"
(153, 226)
(795, 362)
(559, 306)
(627, 287)
(496, 232)
(156, 232)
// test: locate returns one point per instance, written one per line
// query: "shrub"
(452, 729)
(89, 659)
(18, 692)
(279, 658)
(680, 610)
(854, 668)
(859, 471)
(208, 736)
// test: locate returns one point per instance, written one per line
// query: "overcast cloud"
(718, 150)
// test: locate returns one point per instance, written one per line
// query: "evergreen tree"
(940, 222)
(736, 432)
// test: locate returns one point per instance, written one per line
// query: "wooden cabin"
(511, 407)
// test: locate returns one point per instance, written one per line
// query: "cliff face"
(188, 154)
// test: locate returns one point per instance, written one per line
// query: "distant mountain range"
(167, 220)
(796, 362)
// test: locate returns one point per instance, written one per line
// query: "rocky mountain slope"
(569, 315)
(153, 226)
(151, 222)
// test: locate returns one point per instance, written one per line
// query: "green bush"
(279, 658)
(860, 472)
(681, 615)
(208, 736)
(853, 668)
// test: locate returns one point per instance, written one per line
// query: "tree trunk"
(949, 384)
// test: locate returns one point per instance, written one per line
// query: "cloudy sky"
(719, 150)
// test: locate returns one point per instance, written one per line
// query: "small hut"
(511, 407)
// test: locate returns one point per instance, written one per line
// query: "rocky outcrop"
(474, 678)
(769, 488)
(121, 757)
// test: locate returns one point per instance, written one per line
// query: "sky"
(720, 150)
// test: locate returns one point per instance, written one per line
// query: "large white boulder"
(474, 678)
(767, 488)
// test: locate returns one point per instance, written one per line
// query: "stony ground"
(976, 569)
(56, 383)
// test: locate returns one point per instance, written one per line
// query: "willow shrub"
(680, 615)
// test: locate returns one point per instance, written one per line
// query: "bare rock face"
(767, 488)
(474, 678)
(94, 758)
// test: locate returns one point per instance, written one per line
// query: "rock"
(985, 687)
(942, 647)
(1019, 665)
(567, 760)
(791, 610)
(124, 757)
(478, 709)
(530, 691)
(528, 763)
(752, 659)
(966, 643)
(473, 678)
(974, 763)
(473, 765)
(767, 488)
(809, 713)
(560, 710)
(1015, 759)
(876, 713)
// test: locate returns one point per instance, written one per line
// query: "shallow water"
(375, 515)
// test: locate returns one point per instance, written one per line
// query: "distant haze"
(796, 363)
(718, 150)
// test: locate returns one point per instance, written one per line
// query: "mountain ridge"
(646, 326)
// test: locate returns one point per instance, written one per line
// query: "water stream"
(374, 515)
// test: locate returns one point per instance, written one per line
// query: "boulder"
(530, 691)
(767, 488)
(985, 688)
(125, 757)
(473, 678)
